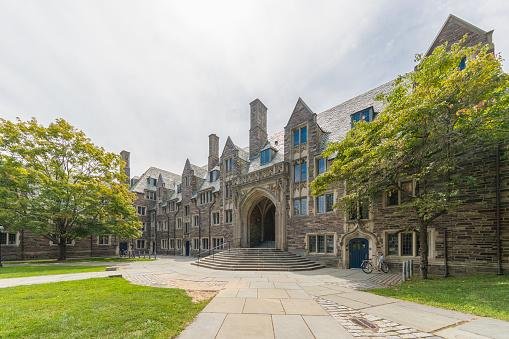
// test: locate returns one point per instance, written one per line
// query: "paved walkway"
(324, 303)
(43, 279)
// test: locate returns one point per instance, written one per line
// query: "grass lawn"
(98, 308)
(33, 270)
(486, 295)
(97, 259)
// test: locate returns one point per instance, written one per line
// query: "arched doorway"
(187, 248)
(358, 250)
(262, 224)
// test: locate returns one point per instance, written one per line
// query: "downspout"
(497, 213)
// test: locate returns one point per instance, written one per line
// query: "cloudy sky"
(156, 77)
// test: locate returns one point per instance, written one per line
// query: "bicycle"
(367, 264)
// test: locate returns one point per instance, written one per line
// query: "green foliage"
(431, 116)
(95, 308)
(55, 182)
(486, 295)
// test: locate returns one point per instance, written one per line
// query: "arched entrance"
(359, 250)
(262, 224)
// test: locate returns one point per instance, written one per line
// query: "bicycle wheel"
(367, 267)
(384, 267)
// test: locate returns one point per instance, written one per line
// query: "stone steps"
(257, 259)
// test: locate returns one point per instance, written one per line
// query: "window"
(325, 203)
(396, 197)
(407, 244)
(213, 175)
(172, 206)
(68, 242)
(217, 242)
(8, 239)
(300, 136)
(179, 223)
(300, 171)
(179, 244)
(159, 226)
(228, 164)
(215, 218)
(205, 197)
(364, 115)
(265, 156)
(165, 225)
(321, 166)
(142, 210)
(172, 243)
(463, 63)
(196, 220)
(228, 216)
(140, 243)
(186, 227)
(205, 243)
(179, 188)
(321, 243)
(150, 195)
(164, 244)
(392, 244)
(104, 240)
(228, 190)
(186, 210)
(196, 243)
(151, 181)
(300, 206)
(358, 210)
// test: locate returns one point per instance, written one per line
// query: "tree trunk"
(423, 242)
(62, 249)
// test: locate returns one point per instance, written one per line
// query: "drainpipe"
(497, 213)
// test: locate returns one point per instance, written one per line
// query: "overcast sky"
(157, 77)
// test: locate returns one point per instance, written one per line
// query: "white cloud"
(156, 77)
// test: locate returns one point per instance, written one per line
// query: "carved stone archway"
(358, 232)
(255, 198)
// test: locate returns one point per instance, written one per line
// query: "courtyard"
(324, 303)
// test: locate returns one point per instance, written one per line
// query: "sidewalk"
(43, 279)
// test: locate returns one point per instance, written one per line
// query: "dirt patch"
(198, 295)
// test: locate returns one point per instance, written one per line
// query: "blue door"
(359, 249)
(188, 245)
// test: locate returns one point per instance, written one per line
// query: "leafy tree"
(433, 118)
(56, 183)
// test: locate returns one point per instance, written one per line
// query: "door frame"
(366, 256)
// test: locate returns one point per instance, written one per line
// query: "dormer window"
(365, 115)
(265, 156)
(300, 136)
(151, 181)
(228, 164)
(213, 175)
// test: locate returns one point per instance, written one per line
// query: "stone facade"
(259, 196)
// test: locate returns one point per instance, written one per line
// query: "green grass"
(34, 270)
(96, 259)
(486, 295)
(94, 308)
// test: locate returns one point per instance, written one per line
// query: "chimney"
(213, 151)
(126, 157)
(258, 128)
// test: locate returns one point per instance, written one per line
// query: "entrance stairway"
(257, 259)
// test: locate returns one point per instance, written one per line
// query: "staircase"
(257, 259)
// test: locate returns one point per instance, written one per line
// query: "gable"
(455, 28)
(300, 113)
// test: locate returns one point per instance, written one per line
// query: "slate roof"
(200, 171)
(169, 179)
(277, 142)
(336, 120)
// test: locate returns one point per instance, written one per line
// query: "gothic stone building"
(260, 196)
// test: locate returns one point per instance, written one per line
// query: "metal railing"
(225, 246)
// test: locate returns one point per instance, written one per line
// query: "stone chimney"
(258, 128)
(126, 156)
(213, 151)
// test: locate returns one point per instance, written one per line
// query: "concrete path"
(43, 279)
(324, 303)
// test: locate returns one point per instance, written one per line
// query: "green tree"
(56, 183)
(432, 119)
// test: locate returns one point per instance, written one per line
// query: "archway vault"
(259, 202)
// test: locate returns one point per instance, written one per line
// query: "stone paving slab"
(291, 326)
(225, 305)
(272, 293)
(325, 327)
(263, 306)
(302, 307)
(205, 326)
(246, 326)
(479, 328)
